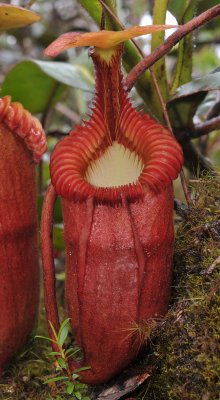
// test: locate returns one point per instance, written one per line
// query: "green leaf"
(58, 239)
(62, 363)
(79, 386)
(54, 353)
(94, 8)
(69, 387)
(184, 103)
(70, 355)
(74, 75)
(64, 324)
(56, 379)
(71, 351)
(206, 83)
(44, 82)
(183, 70)
(78, 395)
(182, 110)
(206, 105)
(178, 8)
(45, 338)
(75, 376)
(35, 91)
(204, 5)
(159, 68)
(15, 17)
(53, 330)
(63, 332)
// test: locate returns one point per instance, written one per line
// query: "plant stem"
(30, 3)
(102, 23)
(119, 23)
(67, 369)
(111, 13)
(183, 70)
(164, 48)
(166, 116)
(159, 18)
(205, 127)
(48, 263)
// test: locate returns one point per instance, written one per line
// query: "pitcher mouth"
(118, 166)
(118, 153)
(85, 165)
(108, 175)
(16, 118)
(143, 157)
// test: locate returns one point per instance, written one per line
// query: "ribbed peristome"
(20, 121)
(114, 120)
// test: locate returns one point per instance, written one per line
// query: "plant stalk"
(166, 116)
(159, 68)
(164, 48)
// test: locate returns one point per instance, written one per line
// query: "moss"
(186, 343)
(25, 377)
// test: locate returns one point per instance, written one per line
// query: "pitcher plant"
(22, 143)
(114, 174)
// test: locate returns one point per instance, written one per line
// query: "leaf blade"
(56, 379)
(43, 78)
(63, 332)
(103, 39)
(15, 17)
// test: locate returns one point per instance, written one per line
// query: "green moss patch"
(186, 344)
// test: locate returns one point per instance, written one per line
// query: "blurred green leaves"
(35, 83)
(204, 84)
(184, 103)
(179, 8)
(184, 12)
(94, 8)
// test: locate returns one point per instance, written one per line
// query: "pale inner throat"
(118, 166)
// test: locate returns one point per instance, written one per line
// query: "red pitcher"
(114, 175)
(22, 142)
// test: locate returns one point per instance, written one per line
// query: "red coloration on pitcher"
(118, 274)
(21, 140)
(119, 238)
